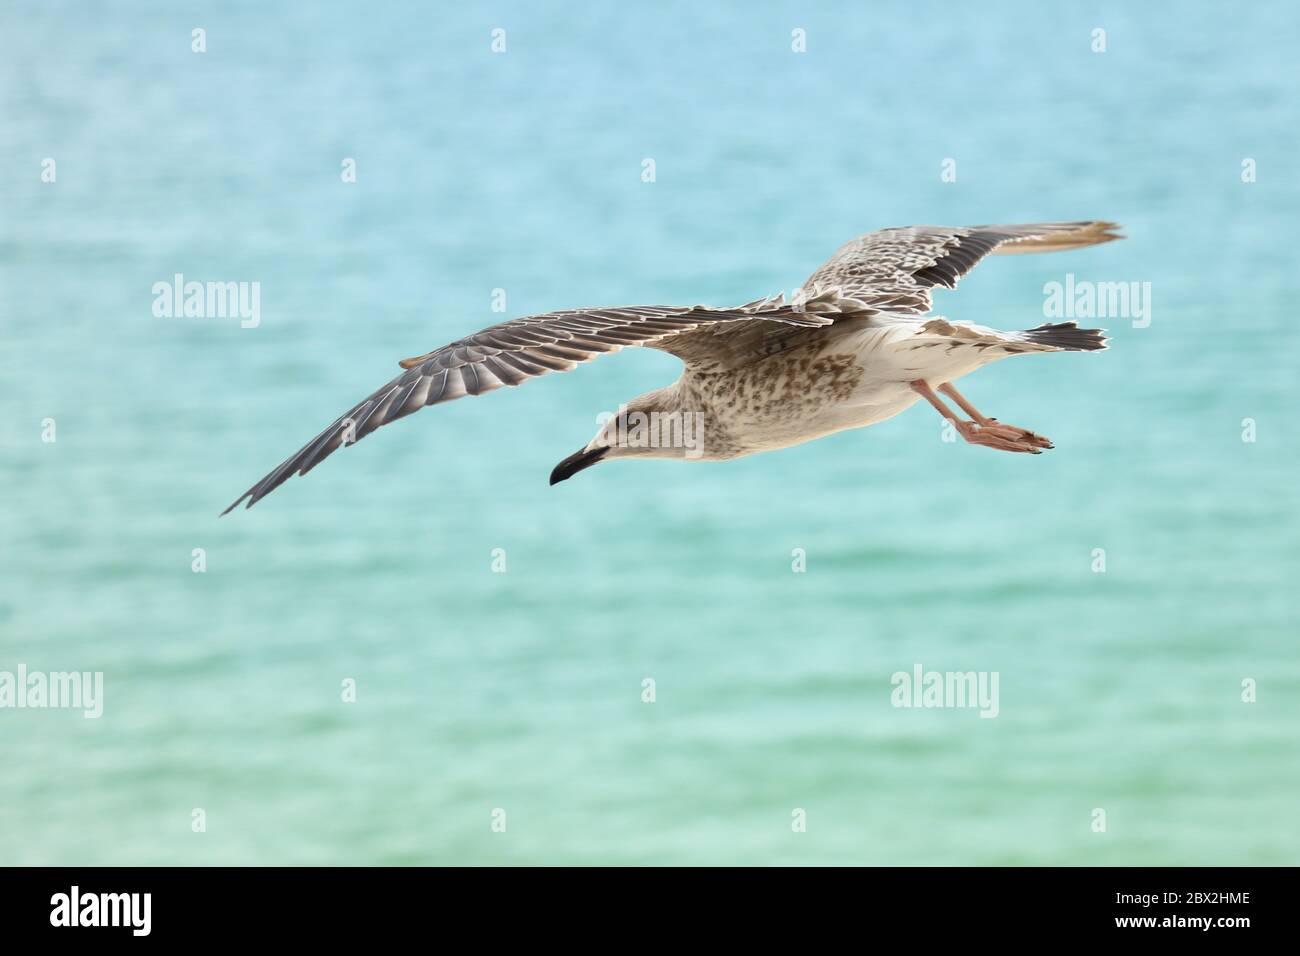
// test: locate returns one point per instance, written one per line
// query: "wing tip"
(1057, 236)
(1107, 231)
(238, 501)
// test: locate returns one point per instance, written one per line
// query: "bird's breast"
(778, 401)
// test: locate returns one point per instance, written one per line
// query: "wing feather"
(522, 349)
(895, 269)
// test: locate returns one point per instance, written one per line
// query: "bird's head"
(649, 426)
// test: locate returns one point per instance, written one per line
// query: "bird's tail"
(1066, 336)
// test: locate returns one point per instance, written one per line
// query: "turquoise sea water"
(522, 691)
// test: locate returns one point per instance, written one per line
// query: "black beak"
(575, 463)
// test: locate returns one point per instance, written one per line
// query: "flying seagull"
(854, 346)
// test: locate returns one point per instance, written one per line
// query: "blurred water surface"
(522, 691)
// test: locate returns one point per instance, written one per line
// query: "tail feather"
(1066, 336)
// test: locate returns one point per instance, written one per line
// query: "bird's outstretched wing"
(513, 352)
(891, 271)
(895, 269)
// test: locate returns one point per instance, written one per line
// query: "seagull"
(855, 345)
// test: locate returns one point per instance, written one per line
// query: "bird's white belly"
(890, 362)
(890, 357)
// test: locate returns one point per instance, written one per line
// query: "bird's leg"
(991, 425)
(947, 389)
(981, 430)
